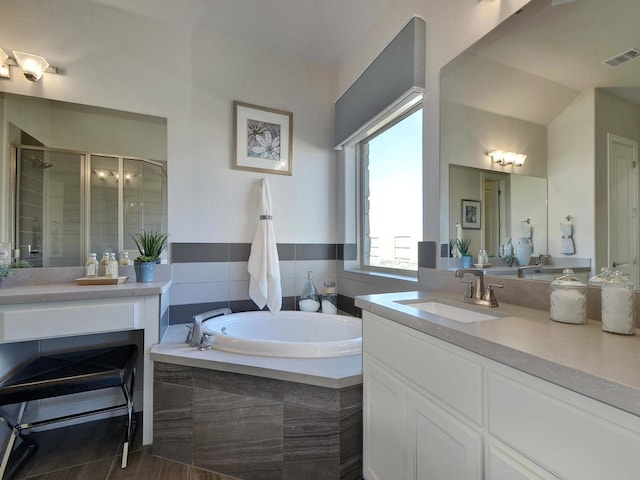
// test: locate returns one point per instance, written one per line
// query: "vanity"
(502, 393)
(36, 317)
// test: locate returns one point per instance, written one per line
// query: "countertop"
(582, 358)
(54, 292)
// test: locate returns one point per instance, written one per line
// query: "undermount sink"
(452, 313)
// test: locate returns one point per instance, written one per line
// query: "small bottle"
(91, 267)
(124, 258)
(617, 304)
(111, 269)
(309, 300)
(329, 298)
(568, 299)
(105, 259)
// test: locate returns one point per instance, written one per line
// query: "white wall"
(571, 179)
(124, 61)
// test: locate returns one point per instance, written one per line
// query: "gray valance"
(396, 75)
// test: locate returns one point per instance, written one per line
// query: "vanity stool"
(64, 374)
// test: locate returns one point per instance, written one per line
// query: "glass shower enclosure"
(69, 204)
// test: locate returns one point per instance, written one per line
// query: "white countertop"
(332, 372)
(55, 292)
(582, 358)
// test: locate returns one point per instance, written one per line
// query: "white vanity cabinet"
(410, 430)
(434, 410)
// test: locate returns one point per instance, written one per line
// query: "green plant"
(509, 259)
(5, 270)
(463, 244)
(20, 264)
(150, 245)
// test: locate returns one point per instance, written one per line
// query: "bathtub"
(286, 334)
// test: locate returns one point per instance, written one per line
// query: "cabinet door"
(383, 423)
(440, 446)
(506, 464)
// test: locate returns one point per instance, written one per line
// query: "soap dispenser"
(568, 299)
(309, 300)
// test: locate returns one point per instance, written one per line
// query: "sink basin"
(451, 312)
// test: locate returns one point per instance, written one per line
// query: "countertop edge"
(605, 390)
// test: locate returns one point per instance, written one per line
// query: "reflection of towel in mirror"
(264, 266)
(567, 247)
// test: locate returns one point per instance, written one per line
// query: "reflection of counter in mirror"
(81, 179)
(539, 84)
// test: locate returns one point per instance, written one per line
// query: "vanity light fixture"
(507, 158)
(32, 66)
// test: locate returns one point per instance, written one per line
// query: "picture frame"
(263, 139)
(471, 214)
(5, 253)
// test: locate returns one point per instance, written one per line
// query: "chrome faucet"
(196, 337)
(475, 292)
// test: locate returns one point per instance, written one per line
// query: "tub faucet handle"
(205, 342)
(189, 333)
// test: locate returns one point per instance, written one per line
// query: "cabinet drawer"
(59, 319)
(507, 464)
(434, 366)
(568, 434)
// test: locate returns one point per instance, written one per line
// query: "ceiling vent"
(623, 57)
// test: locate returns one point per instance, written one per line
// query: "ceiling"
(318, 31)
(554, 52)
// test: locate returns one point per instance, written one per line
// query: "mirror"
(81, 179)
(558, 81)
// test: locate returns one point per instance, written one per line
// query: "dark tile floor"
(93, 451)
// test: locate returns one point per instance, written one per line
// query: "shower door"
(69, 204)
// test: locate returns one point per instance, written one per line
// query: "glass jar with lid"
(617, 304)
(568, 299)
(596, 280)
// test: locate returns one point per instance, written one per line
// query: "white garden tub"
(286, 334)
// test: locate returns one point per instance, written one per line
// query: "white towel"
(264, 266)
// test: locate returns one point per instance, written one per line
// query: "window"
(391, 194)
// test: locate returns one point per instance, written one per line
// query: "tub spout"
(197, 337)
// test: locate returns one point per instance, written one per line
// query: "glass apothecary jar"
(617, 305)
(309, 300)
(568, 299)
(596, 280)
(329, 298)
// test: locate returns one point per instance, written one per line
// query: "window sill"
(355, 273)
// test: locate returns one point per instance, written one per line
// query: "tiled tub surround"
(214, 275)
(254, 417)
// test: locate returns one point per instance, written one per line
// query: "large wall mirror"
(79, 179)
(559, 81)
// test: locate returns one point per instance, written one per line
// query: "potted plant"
(5, 271)
(150, 246)
(463, 244)
(509, 259)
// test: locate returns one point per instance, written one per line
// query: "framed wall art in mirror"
(263, 139)
(471, 214)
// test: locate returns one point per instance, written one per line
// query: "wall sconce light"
(32, 66)
(102, 174)
(507, 158)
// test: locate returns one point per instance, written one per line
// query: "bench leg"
(128, 395)
(23, 451)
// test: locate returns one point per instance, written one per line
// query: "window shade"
(394, 78)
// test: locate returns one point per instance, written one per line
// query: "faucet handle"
(205, 342)
(189, 333)
(468, 293)
(490, 296)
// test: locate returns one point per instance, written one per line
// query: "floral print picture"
(263, 139)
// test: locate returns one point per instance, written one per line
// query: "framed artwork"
(5, 253)
(262, 139)
(471, 214)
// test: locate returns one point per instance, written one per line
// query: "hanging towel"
(264, 267)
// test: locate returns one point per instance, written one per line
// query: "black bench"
(64, 374)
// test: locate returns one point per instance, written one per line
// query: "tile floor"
(93, 451)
